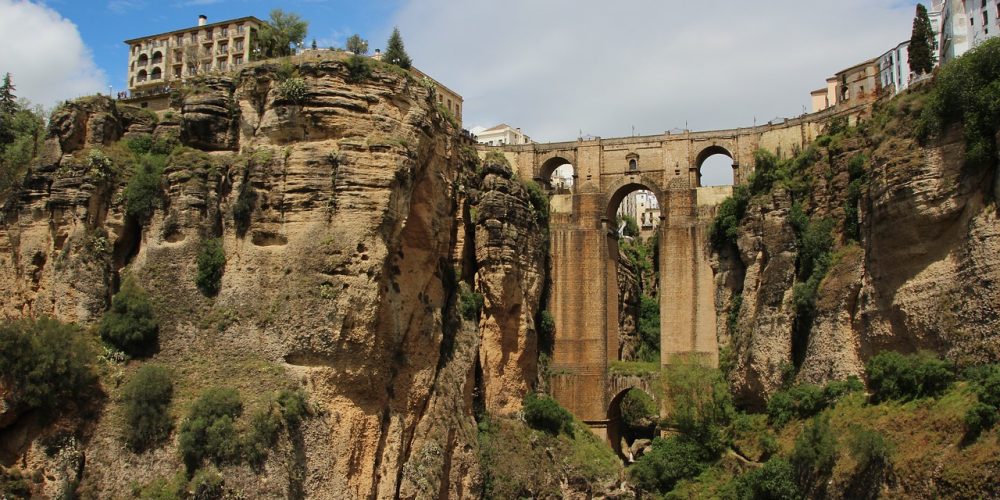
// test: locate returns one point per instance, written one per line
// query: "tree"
(394, 51)
(130, 324)
(281, 35)
(314, 46)
(357, 45)
(8, 101)
(921, 57)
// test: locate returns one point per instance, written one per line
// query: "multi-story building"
(894, 68)
(855, 85)
(501, 135)
(954, 34)
(984, 20)
(643, 207)
(156, 61)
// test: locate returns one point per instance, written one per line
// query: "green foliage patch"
(45, 363)
(638, 409)
(895, 376)
(806, 400)
(209, 431)
(146, 399)
(211, 264)
(130, 325)
(545, 414)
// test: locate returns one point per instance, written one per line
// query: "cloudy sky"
(555, 68)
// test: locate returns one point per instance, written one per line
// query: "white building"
(954, 32)
(500, 135)
(894, 68)
(644, 208)
(984, 20)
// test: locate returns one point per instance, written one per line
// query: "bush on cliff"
(142, 193)
(967, 91)
(130, 325)
(211, 264)
(44, 362)
(545, 414)
(701, 406)
(985, 383)
(209, 431)
(670, 461)
(806, 400)
(638, 409)
(147, 401)
(894, 376)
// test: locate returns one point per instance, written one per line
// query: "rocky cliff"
(912, 260)
(342, 212)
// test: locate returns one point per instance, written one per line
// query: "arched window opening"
(558, 174)
(633, 165)
(156, 74)
(143, 60)
(716, 167)
(141, 77)
(636, 223)
(157, 57)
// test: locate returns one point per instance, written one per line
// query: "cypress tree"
(921, 58)
(8, 101)
(395, 53)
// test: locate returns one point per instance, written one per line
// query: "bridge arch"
(557, 164)
(625, 186)
(620, 434)
(711, 155)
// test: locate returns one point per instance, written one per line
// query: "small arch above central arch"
(558, 173)
(716, 167)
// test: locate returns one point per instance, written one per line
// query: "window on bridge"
(715, 167)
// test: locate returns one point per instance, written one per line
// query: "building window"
(240, 29)
(239, 46)
(156, 74)
(237, 60)
(224, 32)
(177, 72)
(222, 65)
(192, 70)
(180, 39)
(194, 38)
(206, 67)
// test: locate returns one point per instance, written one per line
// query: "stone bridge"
(584, 248)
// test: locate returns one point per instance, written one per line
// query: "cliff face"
(338, 281)
(922, 275)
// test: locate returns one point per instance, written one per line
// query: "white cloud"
(559, 67)
(45, 55)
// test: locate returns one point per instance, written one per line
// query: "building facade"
(984, 20)
(894, 68)
(157, 61)
(501, 135)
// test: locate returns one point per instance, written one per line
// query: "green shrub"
(207, 484)
(638, 409)
(894, 376)
(358, 69)
(209, 432)
(142, 193)
(546, 331)
(288, 407)
(669, 461)
(211, 264)
(870, 450)
(774, 481)
(649, 329)
(539, 202)
(966, 91)
(815, 452)
(130, 325)
(806, 400)
(470, 304)
(725, 227)
(292, 405)
(139, 144)
(243, 208)
(146, 399)
(44, 363)
(545, 414)
(985, 383)
(162, 488)
(293, 89)
(701, 406)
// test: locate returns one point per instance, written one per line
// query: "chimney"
(202, 20)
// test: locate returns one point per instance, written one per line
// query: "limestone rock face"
(335, 278)
(924, 275)
(510, 254)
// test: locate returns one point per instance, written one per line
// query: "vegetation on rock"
(44, 363)
(130, 325)
(545, 414)
(211, 264)
(921, 56)
(22, 131)
(356, 45)
(281, 35)
(894, 376)
(147, 402)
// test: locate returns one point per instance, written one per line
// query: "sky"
(557, 69)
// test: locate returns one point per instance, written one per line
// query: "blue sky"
(555, 68)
